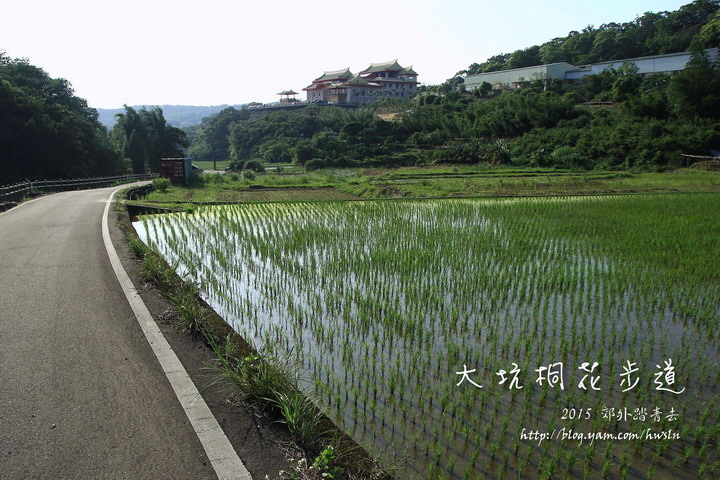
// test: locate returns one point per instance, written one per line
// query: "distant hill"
(180, 116)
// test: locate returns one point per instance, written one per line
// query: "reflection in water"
(382, 303)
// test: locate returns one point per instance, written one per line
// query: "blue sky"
(214, 52)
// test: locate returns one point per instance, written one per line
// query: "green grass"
(155, 270)
(192, 316)
(137, 247)
(539, 183)
(427, 182)
(211, 165)
(300, 415)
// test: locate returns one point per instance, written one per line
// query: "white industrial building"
(514, 78)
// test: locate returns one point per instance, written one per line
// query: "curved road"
(81, 393)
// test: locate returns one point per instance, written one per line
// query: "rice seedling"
(382, 303)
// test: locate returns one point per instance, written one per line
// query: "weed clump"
(161, 184)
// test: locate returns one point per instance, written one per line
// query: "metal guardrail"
(18, 191)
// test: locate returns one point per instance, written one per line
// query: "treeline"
(647, 124)
(46, 132)
(313, 136)
(642, 122)
(649, 34)
(142, 137)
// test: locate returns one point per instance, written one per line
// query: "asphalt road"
(81, 393)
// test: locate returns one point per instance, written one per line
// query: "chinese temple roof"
(391, 66)
(344, 74)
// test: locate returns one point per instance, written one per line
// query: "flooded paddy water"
(506, 338)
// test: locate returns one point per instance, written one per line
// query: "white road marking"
(221, 453)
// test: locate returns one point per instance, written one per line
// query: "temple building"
(379, 80)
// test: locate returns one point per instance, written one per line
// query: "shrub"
(161, 184)
(568, 157)
(215, 178)
(324, 463)
(254, 165)
(196, 180)
(237, 165)
(315, 164)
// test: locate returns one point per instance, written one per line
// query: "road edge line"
(220, 452)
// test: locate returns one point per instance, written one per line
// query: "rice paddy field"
(567, 337)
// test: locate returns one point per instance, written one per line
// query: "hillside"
(180, 116)
(649, 34)
(633, 121)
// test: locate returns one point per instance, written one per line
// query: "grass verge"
(426, 182)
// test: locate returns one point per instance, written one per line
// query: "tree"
(525, 58)
(164, 140)
(45, 130)
(304, 151)
(695, 91)
(551, 52)
(212, 142)
(675, 32)
(276, 151)
(130, 137)
(627, 83)
(709, 36)
(605, 45)
(145, 137)
(577, 47)
(484, 88)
